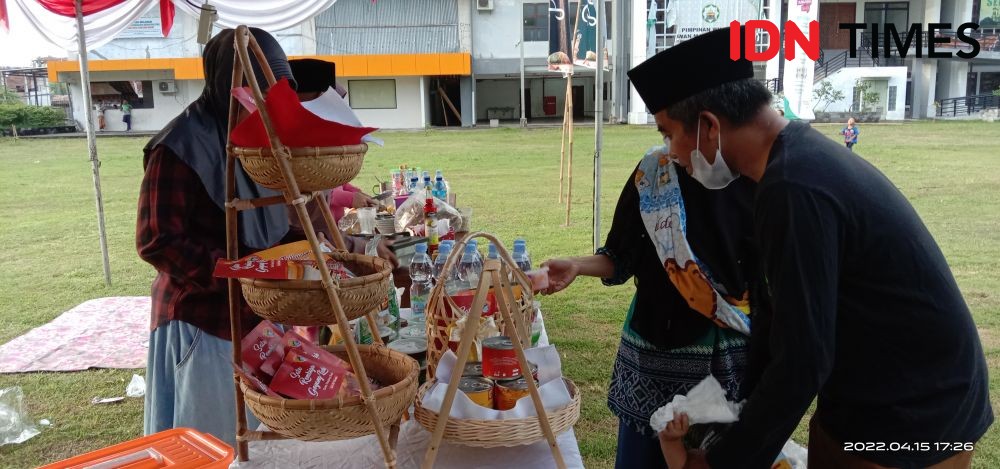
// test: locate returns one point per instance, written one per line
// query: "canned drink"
(473, 370)
(534, 371)
(499, 359)
(508, 392)
(480, 390)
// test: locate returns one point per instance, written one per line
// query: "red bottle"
(430, 218)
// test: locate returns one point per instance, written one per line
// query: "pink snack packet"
(296, 342)
(253, 381)
(262, 349)
(304, 377)
(539, 279)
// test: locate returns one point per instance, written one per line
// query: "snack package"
(262, 349)
(253, 381)
(296, 342)
(305, 377)
(290, 261)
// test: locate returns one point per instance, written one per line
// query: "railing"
(774, 84)
(967, 105)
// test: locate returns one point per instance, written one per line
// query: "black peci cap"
(313, 75)
(684, 70)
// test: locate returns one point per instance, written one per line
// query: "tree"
(14, 112)
(827, 94)
(869, 98)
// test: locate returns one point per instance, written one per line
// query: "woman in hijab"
(181, 231)
(688, 250)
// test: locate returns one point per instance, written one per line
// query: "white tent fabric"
(269, 15)
(101, 27)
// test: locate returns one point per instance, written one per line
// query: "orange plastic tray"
(180, 448)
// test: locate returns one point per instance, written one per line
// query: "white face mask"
(713, 176)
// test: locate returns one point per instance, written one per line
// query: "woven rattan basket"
(343, 418)
(441, 309)
(304, 302)
(498, 433)
(315, 168)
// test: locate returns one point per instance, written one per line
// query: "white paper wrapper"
(704, 403)
(332, 107)
(553, 389)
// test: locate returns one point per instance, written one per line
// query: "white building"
(414, 64)
(906, 87)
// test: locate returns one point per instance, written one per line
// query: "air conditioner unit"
(484, 5)
(168, 86)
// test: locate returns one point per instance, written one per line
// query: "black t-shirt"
(719, 231)
(866, 314)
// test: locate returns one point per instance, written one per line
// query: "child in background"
(672, 441)
(850, 134)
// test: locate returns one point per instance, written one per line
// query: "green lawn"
(51, 261)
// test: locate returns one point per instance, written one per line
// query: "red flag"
(294, 124)
(4, 21)
(166, 16)
(68, 7)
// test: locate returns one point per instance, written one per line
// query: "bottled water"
(470, 268)
(524, 244)
(520, 256)
(421, 269)
(444, 250)
(440, 190)
(492, 254)
(421, 272)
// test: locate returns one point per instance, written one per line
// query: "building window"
(536, 22)
(111, 94)
(892, 98)
(372, 94)
(883, 13)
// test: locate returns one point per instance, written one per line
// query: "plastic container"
(179, 448)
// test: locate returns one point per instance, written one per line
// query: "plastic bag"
(14, 425)
(411, 212)
(704, 403)
(137, 387)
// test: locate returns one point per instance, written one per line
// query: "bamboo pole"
(569, 162)
(522, 360)
(95, 163)
(232, 253)
(562, 153)
(244, 41)
(468, 336)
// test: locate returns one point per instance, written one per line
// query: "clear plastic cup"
(366, 217)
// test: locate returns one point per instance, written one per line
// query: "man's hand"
(676, 429)
(562, 272)
(696, 460)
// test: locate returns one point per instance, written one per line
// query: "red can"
(499, 359)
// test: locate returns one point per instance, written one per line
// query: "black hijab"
(198, 136)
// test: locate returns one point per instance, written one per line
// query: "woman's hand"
(361, 200)
(562, 272)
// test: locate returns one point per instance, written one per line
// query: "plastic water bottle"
(520, 256)
(413, 184)
(440, 191)
(444, 250)
(470, 268)
(524, 243)
(421, 271)
(493, 254)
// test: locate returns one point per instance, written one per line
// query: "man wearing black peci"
(867, 316)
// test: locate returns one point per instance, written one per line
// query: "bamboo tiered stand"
(515, 324)
(346, 412)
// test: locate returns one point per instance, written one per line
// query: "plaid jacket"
(182, 232)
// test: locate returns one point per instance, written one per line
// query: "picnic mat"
(101, 333)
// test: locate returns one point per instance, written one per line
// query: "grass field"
(51, 261)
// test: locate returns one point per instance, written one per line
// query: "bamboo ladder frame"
(495, 274)
(245, 42)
